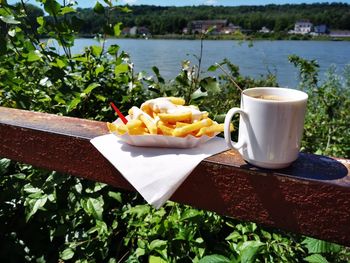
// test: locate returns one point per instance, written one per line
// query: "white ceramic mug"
(270, 126)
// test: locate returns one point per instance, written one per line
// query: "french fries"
(185, 130)
(175, 117)
(165, 128)
(167, 116)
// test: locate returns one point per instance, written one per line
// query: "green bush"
(328, 107)
(51, 217)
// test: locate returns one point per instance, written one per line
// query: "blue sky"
(90, 3)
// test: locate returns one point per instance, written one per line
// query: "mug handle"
(227, 132)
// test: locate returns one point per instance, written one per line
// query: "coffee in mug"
(270, 126)
(270, 97)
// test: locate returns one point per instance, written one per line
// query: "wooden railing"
(312, 197)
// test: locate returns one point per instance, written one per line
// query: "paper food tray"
(161, 140)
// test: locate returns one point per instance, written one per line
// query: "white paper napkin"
(155, 173)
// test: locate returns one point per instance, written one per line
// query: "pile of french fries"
(167, 116)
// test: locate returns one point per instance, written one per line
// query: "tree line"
(168, 20)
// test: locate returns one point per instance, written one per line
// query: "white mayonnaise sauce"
(164, 105)
(136, 112)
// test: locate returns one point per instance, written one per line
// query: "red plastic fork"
(121, 116)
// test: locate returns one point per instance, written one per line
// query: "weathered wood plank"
(312, 197)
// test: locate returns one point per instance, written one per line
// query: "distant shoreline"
(233, 37)
(253, 37)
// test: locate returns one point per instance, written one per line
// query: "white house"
(265, 30)
(302, 27)
(133, 31)
(231, 28)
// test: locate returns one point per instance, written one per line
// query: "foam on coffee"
(270, 97)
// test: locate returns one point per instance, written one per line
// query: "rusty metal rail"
(312, 197)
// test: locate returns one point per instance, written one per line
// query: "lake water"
(261, 58)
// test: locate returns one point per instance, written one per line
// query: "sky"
(91, 3)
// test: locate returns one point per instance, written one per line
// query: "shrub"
(51, 217)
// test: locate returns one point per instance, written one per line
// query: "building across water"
(218, 26)
(302, 27)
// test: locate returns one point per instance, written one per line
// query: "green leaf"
(139, 210)
(115, 224)
(52, 7)
(93, 207)
(140, 252)
(9, 20)
(316, 258)
(12, 32)
(101, 227)
(220, 118)
(234, 236)
(100, 97)
(19, 176)
(108, 2)
(215, 259)
(249, 250)
(319, 246)
(117, 29)
(90, 88)
(67, 10)
(78, 187)
(40, 20)
(98, 8)
(125, 9)
(113, 50)
(92, 230)
(80, 58)
(159, 77)
(213, 68)
(210, 29)
(59, 99)
(4, 165)
(60, 63)
(68, 253)
(96, 50)
(34, 55)
(98, 187)
(74, 103)
(35, 205)
(155, 70)
(121, 68)
(99, 69)
(190, 214)
(115, 196)
(158, 244)
(66, 40)
(266, 234)
(155, 259)
(30, 47)
(210, 84)
(28, 188)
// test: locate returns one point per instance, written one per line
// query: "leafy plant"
(328, 106)
(51, 217)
